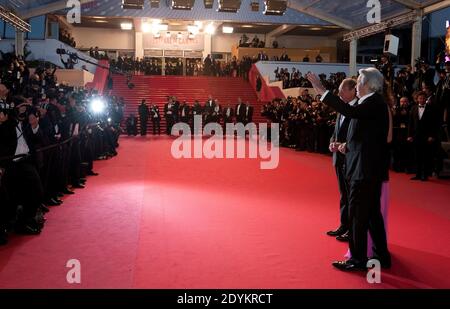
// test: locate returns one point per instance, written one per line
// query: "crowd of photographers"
(295, 78)
(305, 123)
(50, 134)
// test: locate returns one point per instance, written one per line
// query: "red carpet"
(150, 221)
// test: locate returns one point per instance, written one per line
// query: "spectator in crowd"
(49, 138)
(131, 125)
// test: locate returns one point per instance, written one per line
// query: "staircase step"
(155, 89)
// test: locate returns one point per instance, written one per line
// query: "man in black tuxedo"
(170, 114)
(422, 132)
(143, 117)
(156, 118)
(240, 111)
(248, 113)
(227, 115)
(208, 109)
(365, 159)
(185, 112)
(347, 93)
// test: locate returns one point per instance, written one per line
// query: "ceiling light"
(192, 29)
(247, 26)
(146, 27)
(209, 29)
(101, 21)
(179, 35)
(126, 26)
(226, 29)
(168, 34)
(199, 24)
(315, 28)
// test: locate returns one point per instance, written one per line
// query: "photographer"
(18, 141)
(425, 74)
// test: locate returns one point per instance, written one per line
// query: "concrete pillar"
(139, 45)
(207, 49)
(19, 43)
(163, 70)
(353, 71)
(416, 39)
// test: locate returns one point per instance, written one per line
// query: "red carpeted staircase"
(155, 89)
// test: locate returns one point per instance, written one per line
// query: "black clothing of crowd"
(175, 112)
(49, 138)
(305, 123)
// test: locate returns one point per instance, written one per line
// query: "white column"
(207, 48)
(416, 43)
(139, 44)
(352, 57)
(20, 43)
(163, 66)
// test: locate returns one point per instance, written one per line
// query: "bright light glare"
(146, 27)
(210, 29)
(98, 106)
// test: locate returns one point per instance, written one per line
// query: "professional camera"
(61, 51)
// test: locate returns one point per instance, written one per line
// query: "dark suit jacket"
(224, 111)
(427, 126)
(8, 138)
(240, 111)
(367, 149)
(340, 136)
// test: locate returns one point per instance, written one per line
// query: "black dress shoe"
(59, 194)
(343, 237)
(67, 191)
(3, 237)
(337, 232)
(92, 173)
(78, 186)
(415, 178)
(44, 208)
(51, 202)
(27, 229)
(57, 200)
(349, 265)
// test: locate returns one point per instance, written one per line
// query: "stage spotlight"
(275, 7)
(230, 6)
(208, 4)
(226, 29)
(133, 4)
(181, 4)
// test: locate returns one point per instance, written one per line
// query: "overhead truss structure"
(381, 27)
(14, 20)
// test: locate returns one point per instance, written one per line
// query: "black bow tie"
(421, 106)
